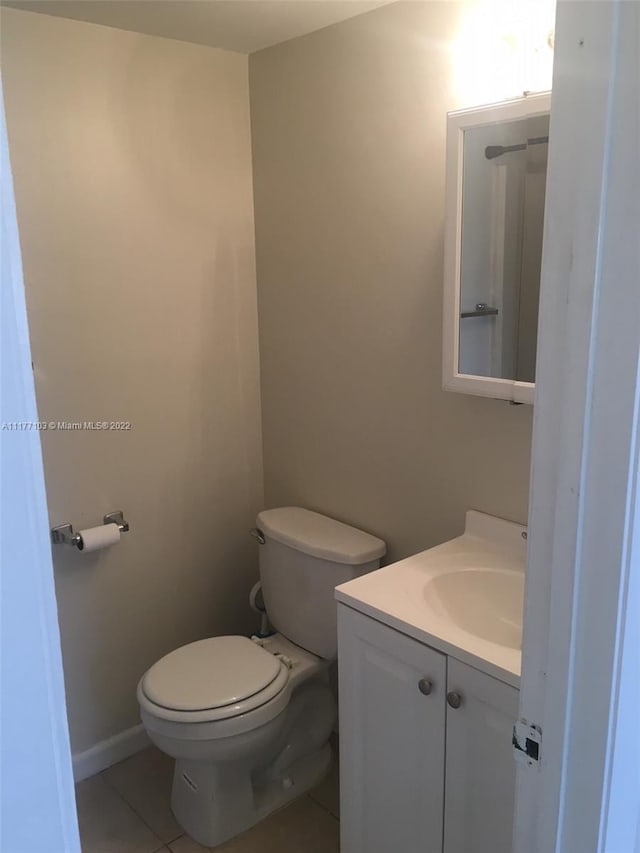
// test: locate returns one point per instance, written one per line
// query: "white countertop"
(399, 594)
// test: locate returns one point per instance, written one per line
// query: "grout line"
(173, 840)
(323, 807)
(111, 785)
(127, 805)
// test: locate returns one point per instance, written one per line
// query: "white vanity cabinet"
(480, 771)
(392, 722)
(420, 773)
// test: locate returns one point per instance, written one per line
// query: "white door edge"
(37, 802)
(576, 652)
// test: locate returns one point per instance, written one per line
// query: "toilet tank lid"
(319, 536)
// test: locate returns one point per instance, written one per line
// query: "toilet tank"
(304, 557)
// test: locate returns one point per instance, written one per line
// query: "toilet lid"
(210, 673)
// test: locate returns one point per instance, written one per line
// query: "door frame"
(580, 649)
(37, 800)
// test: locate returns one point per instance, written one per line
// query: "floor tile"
(302, 826)
(187, 845)
(144, 781)
(107, 824)
(299, 828)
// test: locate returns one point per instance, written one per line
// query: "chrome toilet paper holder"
(63, 534)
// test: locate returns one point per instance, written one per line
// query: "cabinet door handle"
(425, 686)
(454, 699)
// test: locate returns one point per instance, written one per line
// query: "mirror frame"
(458, 122)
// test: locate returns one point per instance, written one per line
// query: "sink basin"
(484, 602)
(463, 597)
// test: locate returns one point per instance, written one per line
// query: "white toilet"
(248, 721)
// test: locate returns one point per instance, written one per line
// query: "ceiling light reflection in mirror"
(502, 49)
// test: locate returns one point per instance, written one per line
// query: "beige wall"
(132, 168)
(348, 129)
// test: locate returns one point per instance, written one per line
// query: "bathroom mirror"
(496, 176)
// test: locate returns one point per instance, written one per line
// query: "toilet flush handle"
(258, 534)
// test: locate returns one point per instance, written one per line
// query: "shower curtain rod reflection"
(493, 151)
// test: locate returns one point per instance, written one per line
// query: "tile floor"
(126, 809)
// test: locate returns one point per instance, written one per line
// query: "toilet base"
(215, 802)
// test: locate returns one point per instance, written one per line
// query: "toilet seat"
(212, 680)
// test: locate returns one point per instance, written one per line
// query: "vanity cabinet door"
(480, 768)
(392, 719)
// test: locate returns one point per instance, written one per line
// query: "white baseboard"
(109, 752)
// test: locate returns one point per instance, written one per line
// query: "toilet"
(248, 720)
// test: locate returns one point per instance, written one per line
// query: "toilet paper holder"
(63, 534)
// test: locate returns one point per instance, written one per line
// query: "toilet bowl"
(248, 721)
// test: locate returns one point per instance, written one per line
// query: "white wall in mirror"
(503, 192)
(496, 175)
